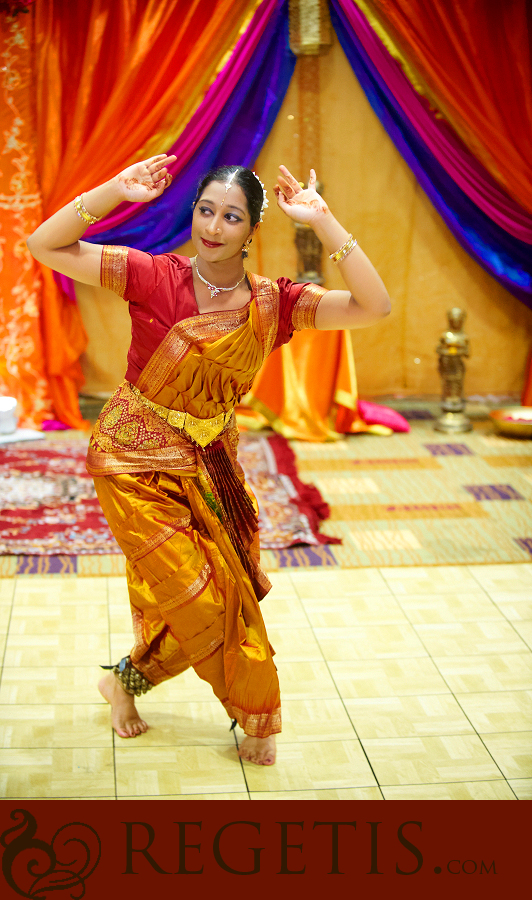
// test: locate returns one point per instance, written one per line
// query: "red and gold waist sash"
(134, 434)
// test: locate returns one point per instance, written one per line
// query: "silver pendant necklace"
(214, 291)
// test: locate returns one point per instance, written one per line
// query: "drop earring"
(245, 251)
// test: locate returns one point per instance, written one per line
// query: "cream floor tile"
(524, 630)
(319, 584)
(471, 638)
(57, 650)
(329, 765)
(178, 770)
(294, 644)
(5, 617)
(512, 752)
(510, 577)
(387, 678)
(121, 644)
(369, 793)
(185, 687)
(344, 612)
(50, 618)
(36, 590)
(7, 591)
(64, 725)
(237, 795)
(513, 604)
(283, 612)
(429, 760)
(522, 788)
(433, 580)
(50, 685)
(389, 717)
(3, 642)
(78, 772)
(312, 720)
(181, 724)
(455, 606)
(369, 642)
(282, 585)
(473, 674)
(119, 620)
(305, 681)
(118, 592)
(473, 790)
(501, 711)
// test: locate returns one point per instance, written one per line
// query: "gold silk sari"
(176, 500)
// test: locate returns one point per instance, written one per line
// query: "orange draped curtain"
(307, 389)
(92, 86)
(474, 58)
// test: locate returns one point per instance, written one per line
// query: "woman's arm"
(56, 242)
(366, 300)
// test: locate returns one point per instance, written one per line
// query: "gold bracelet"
(344, 250)
(82, 212)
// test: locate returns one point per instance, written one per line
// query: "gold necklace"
(212, 287)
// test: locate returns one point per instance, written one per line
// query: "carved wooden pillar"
(310, 38)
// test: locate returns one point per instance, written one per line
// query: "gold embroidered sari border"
(159, 538)
(190, 593)
(114, 269)
(257, 724)
(304, 312)
(131, 461)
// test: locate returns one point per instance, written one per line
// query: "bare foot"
(124, 716)
(258, 750)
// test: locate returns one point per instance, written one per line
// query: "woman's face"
(221, 223)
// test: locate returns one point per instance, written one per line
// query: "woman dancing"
(163, 452)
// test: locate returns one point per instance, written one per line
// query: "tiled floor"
(397, 683)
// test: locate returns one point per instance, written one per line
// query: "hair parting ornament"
(228, 185)
(265, 201)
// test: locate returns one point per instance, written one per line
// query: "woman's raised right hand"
(146, 180)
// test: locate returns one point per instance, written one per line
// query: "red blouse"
(160, 292)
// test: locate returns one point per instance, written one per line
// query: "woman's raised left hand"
(303, 205)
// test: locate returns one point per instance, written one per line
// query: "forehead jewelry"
(212, 287)
(227, 186)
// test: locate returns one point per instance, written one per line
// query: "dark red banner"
(94, 849)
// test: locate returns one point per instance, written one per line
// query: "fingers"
(162, 158)
(289, 177)
(312, 180)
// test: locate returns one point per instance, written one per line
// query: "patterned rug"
(50, 515)
(424, 498)
(415, 499)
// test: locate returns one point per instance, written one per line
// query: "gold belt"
(201, 431)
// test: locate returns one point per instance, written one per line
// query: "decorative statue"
(452, 348)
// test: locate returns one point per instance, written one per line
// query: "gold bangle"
(82, 212)
(346, 248)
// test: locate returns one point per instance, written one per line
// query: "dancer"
(163, 452)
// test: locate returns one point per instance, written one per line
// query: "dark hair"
(245, 179)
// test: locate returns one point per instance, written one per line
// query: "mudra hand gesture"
(302, 205)
(146, 180)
